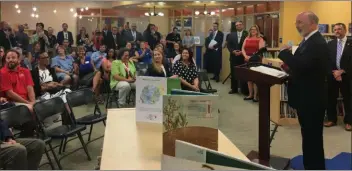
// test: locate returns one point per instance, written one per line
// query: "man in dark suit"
(133, 36)
(113, 39)
(5, 35)
(64, 34)
(216, 51)
(308, 69)
(339, 77)
(234, 45)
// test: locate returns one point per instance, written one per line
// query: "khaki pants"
(26, 154)
(124, 89)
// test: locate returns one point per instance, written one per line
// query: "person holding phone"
(123, 76)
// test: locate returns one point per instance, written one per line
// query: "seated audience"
(158, 68)
(186, 70)
(86, 71)
(68, 48)
(33, 56)
(123, 74)
(145, 54)
(98, 56)
(89, 46)
(2, 58)
(64, 68)
(105, 69)
(174, 52)
(44, 77)
(19, 154)
(134, 55)
(16, 82)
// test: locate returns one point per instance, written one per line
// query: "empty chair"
(17, 116)
(83, 97)
(204, 80)
(47, 108)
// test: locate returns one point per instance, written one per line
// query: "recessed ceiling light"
(54, 11)
(36, 16)
(212, 1)
(18, 11)
(87, 8)
(34, 8)
(239, 2)
(197, 1)
(147, 3)
(16, 6)
(71, 9)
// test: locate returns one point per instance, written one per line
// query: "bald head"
(306, 22)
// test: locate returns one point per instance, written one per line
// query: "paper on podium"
(269, 71)
(294, 48)
(212, 44)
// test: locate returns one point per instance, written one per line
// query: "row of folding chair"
(71, 127)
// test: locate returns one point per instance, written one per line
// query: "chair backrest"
(47, 108)
(16, 116)
(80, 97)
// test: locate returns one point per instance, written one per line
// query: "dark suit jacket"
(111, 43)
(79, 40)
(36, 79)
(152, 72)
(4, 42)
(60, 37)
(308, 72)
(152, 41)
(129, 37)
(346, 58)
(232, 44)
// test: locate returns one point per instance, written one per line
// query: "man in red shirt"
(16, 82)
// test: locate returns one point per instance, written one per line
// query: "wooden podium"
(263, 82)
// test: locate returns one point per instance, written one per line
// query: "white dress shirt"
(239, 36)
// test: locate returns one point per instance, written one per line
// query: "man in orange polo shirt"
(16, 82)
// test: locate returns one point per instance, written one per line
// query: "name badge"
(87, 62)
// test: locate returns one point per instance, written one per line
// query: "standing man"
(234, 45)
(216, 50)
(133, 36)
(64, 34)
(22, 38)
(339, 77)
(5, 36)
(308, 69)
(172, 38)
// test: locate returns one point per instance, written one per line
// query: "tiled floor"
(238, 121)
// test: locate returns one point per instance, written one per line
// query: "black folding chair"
(47, 108)
(17, 116)
(204, 80)
(83, 97)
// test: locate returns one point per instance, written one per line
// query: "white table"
(138, 146)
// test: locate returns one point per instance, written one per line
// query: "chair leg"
(90, 132)
(229, 76)
(64, 148)
(49, 159)
(61, 144)
(83, 145)
(55, 157)
(104, 122)
(107, 101)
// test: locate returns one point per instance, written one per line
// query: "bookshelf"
(280, 112)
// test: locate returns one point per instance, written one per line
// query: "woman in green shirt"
(123, 76)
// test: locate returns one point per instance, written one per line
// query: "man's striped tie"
(338, 53)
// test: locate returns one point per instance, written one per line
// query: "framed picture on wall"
(196, 40)
(187, 22)
(323, 28)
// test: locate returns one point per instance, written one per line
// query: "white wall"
(46, 14)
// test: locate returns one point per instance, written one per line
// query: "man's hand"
(211, 47)
(11, 141)
(238, 53)
(339, 78)
(3, 100)
(285, 47)
(337, 73)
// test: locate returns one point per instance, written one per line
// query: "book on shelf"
(285, 110)
(191, 118)
(189, 151)
(269, 71)
(149, 95)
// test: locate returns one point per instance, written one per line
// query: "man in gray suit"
(133, 36)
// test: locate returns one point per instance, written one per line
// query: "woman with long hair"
(174, 52)
(2, 58)
(134, 55)
(250, 46)
(186, 70)
(158, 68)
(82, 36)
